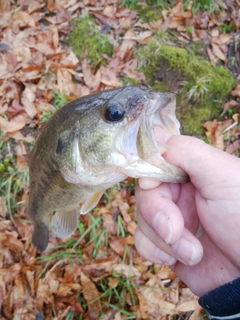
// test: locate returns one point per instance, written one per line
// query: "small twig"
(230, 127)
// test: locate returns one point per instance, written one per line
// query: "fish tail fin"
(40, 233)
(64, 222)
(40, 236)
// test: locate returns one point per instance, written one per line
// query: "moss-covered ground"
(201, 88)
(86, 35)
(167, 64)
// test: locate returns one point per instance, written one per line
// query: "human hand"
(193, 227)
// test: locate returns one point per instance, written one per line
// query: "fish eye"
(114, 113)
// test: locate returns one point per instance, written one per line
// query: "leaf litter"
(98, 272)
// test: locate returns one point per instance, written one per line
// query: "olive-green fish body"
(89, 145)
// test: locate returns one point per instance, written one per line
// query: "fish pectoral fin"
(40, 236)
(91, 203)
(64, 222)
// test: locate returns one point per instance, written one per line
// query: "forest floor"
(97, 273)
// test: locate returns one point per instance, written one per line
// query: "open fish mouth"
(160, 113)
(141, 146)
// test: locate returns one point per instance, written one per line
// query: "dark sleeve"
(223, 302)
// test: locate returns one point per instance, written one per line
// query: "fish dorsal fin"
(91, 203)
(64, 222)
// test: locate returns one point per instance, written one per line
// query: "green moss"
(201, 88)
(147, 14)
(130, 81)
(87, 35)
(149, 10)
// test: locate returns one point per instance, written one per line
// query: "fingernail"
(185, 251)
(163, 226)
(163, 257)
(148, 183)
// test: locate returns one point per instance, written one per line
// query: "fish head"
(114, 137)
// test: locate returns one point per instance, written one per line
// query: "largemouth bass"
(91, 144)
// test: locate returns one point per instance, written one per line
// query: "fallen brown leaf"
(109, 78)
(28, 98)
(236, 91)
(187, 306)
(236, 117)
(212, 57)
(3, 207)
(218, 52)
(233, 147)
(23, 19)
(17, 123)
(126, 270)
(11, 273)
(214, 133)
(91, 295)
(230, 104)
(55, 37)
(141, 37)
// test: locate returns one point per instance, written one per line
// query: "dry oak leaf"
(236, 117)
(118, 247)
(126, 270)
(218, 52)
(54, 33)
(11, 273)
(91, 293)
(221, 39)
(142, 37)
(105, 264)
(23, 54)
(91, 80)
(21, 160)
(23, 19)
(17, 123)
(13, 243)
(152, 303)
(28, 98)
(109, 78)
(230, 104)
(65, 83)
(35, 6)
(4, 5)
(127, 44)
(236, 91)
(233, 147)
(214, 133)
(68, 289)
(212, 57)
(187, 306)
(3, 207)
(17, 135)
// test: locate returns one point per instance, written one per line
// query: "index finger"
(207, 166)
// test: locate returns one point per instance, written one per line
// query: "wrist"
(223, 302)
